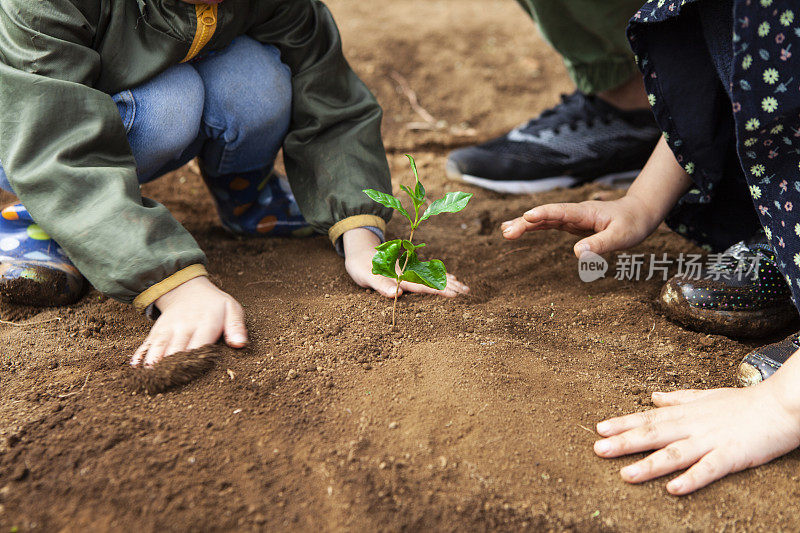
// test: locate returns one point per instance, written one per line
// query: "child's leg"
(245, 120)
(163, 119)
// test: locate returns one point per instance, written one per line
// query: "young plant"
(398, 259)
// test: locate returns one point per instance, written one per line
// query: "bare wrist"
(359, 239)
(651, 214)
(168, 298)
(660, 184)
(785, 385)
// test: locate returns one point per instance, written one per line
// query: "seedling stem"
(391, 254)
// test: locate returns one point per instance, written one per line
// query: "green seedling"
(398, 259)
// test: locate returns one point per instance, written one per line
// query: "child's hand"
(611, 226)
(618, 224)
(713, 433)
(193, 314)
(359, 247)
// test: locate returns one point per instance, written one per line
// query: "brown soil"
(477, 414)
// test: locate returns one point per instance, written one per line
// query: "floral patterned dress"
(723, 77)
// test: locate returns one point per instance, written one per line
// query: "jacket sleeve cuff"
(163, 287)
(357, 221)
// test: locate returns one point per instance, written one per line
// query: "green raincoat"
(65, 151)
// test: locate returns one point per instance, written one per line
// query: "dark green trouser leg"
(590, 36)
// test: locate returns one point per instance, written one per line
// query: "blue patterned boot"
(257, 203)
(34, 270)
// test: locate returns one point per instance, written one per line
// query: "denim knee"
(248, 105)
(162, 118)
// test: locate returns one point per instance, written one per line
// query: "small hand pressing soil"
(174, 370)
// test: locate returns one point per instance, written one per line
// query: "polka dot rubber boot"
(742, 295)
(257, 203)
(34, 270)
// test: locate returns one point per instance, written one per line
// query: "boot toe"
(40, 285)
(748, 375)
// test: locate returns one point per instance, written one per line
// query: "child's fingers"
(574, 214)
(141, 351)
(599, 243)
(678, 397)
(418, 288)
(456, 285)
(676, 456)
(647, 437)
(157, 349)
(615, 426)
(713, 466)
(453, 288)
(140, 355)
(206, 333)
(385, 286)
(234, 328)
(513, 229)
(179, 342)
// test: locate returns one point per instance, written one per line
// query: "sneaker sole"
(620, 180)
(737, 324)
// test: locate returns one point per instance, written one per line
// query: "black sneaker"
(760, 364)
(581, 139)
(742, 295)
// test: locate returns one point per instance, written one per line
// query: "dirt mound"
(173, 371)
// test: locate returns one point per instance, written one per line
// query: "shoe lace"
(574, 109)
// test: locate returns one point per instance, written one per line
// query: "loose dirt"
(178, 369)
(477, 414)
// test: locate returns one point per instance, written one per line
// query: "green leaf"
(383, 246)
(453, 202)
(429, 273)
(409, 192)
(410, 246)
(413, 167)
(415, 199)
(419, 190)
(385, 259)
(389, 201)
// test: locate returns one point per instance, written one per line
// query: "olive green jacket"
(65, 151)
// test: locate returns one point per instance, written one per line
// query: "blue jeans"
(231, 108)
